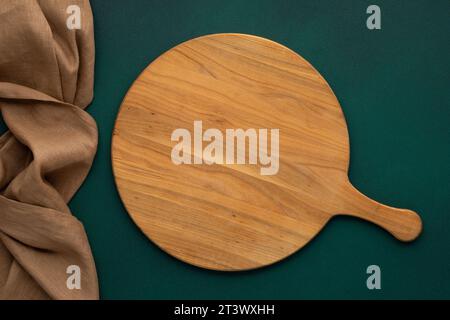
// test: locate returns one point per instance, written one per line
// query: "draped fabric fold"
(46, 82)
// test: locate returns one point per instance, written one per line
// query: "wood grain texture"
(229, 216)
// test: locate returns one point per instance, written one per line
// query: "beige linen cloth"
(46, 80)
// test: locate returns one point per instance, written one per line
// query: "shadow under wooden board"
(230, 152)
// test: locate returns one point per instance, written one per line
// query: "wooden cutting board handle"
(403, 224)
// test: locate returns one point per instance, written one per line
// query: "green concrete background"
(393, 85)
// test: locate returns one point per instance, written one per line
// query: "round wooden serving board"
(225, 215)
